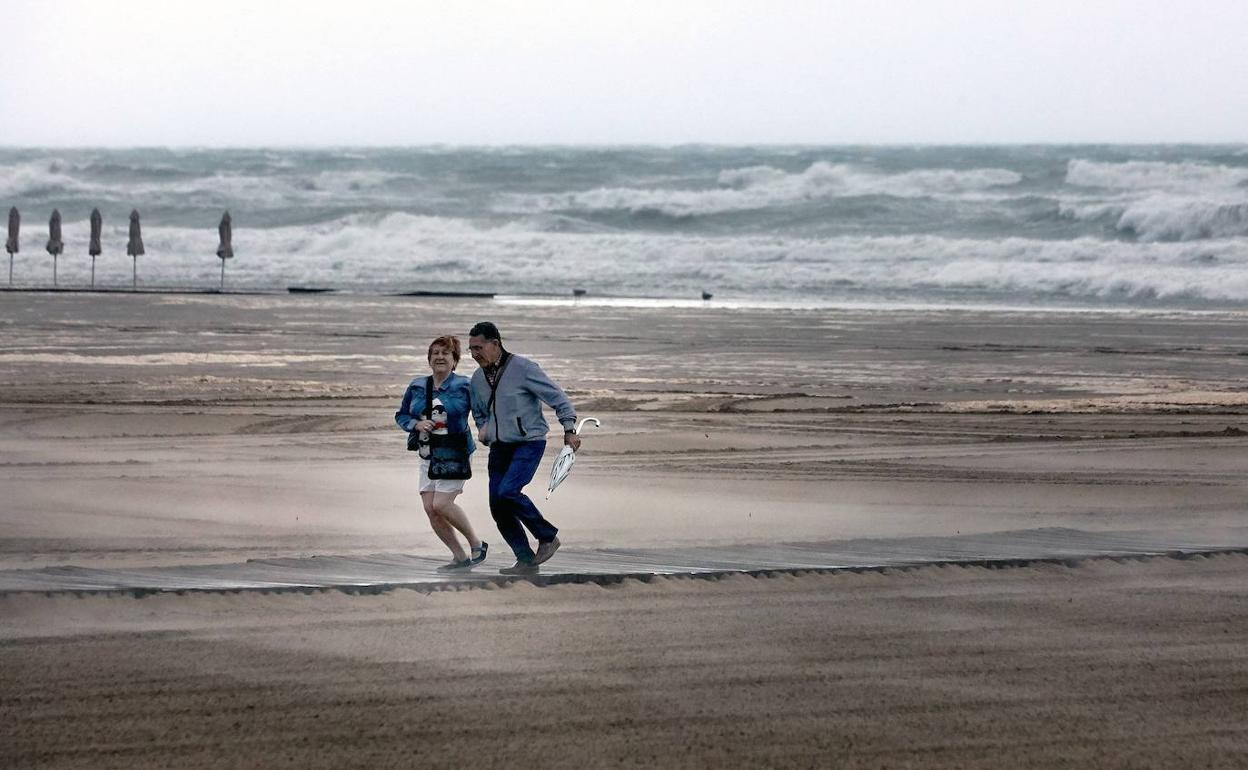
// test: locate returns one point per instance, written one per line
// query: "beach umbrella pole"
(10, 268)
(223, 275)
(93, 272)
(134, 278)
(53, 269)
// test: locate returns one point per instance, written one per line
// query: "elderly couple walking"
(505, 397)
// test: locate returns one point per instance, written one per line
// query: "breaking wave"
(1091, 225)
(1157, 201)
(761, 187)
(37, 178)
(402, 251)
(162, 185)
(1156, 175)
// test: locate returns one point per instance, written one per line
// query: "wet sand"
(154, 430)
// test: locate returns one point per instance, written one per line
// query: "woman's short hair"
(448, 341)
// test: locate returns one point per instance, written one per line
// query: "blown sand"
(165, 429)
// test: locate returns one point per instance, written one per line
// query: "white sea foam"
(1155, 175)
(22, 179)
(1157, 201)
(401, 251)
(1163, 217)
(760, 187)
(53, 177)
(1166, 217)
(631, 222)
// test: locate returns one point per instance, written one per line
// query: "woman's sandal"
(478, 553)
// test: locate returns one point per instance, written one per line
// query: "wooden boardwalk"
(386, 571)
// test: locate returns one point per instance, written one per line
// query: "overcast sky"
(185, 72)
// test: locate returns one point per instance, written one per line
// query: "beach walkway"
(386, 571)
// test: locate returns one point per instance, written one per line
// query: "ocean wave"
(1146, 175)
(1163, 218)
(346, 182)
(54, 180)
(814, 223)
(1083, 281)
(129, 171)
(1158, 201)
(760, 187)
(558, 223)
(1167, 217)
(403, 251)
(38, 178)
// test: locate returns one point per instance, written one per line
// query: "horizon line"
(621, 145)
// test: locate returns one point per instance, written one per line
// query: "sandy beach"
(151, 429)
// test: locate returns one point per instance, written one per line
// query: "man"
(507, 396)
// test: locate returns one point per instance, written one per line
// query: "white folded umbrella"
(566, 459)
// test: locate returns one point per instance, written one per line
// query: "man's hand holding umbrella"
(567, 456)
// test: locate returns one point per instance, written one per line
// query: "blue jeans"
(512, 466)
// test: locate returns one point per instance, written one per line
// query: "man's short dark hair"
(485, 329)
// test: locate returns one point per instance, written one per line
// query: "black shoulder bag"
(448, 452)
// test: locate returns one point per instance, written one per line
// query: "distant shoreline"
(241, 292)
(654, 302)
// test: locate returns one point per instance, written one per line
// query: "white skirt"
(438, 485)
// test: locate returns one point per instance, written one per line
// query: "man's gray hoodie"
(517, 413)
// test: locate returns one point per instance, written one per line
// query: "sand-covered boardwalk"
(380, 572)
(1136, 663)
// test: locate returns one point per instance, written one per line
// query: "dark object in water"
(578, 292)
(482, 294)
(308, 290)
(707, 295)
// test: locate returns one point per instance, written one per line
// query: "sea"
(1048, 226)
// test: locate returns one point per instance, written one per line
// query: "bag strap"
(429, 398)
(494, 388)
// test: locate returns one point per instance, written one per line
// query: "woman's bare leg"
(441, 526)
(444, 503)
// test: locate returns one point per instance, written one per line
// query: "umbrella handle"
(581, 424)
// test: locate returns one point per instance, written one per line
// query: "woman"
(449, 414)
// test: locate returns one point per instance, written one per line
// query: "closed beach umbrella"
(11, 245)
(55, 244)
(135, 246)
(93, 246)
(566, 459)
(225, 250)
